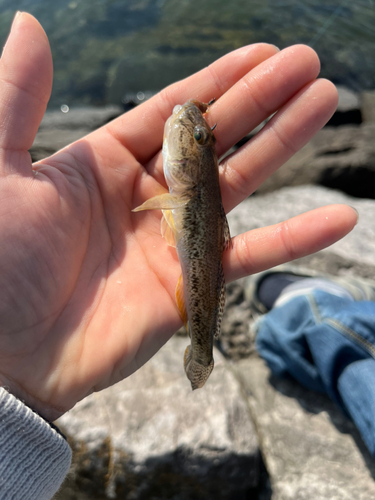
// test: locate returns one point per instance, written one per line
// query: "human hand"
(86, 286)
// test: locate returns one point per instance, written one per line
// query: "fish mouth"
(173, 120)
(180, 109)
(181, 113)
(167, 129)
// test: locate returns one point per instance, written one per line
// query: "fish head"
(187, 137)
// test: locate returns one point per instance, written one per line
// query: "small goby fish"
(194, 222)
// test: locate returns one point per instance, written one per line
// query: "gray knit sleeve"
(34, 458)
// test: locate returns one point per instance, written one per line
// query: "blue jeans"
(327, 343)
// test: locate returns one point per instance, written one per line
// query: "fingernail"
(277, 48)
(16, 16)
(356, 211)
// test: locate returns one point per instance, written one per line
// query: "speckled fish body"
(194, 221)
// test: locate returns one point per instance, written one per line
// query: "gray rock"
(310, 449)
(89, 118)
(345, 160)
(368, 106)
(258, 211)
(348, 108)
(235, 340)
(341, 158)
(348, 100)
(59, 129)
(47, 142)
(330, 263)
(151, 437)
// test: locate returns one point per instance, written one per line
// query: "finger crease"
(249, 84)
(287, 240)
(25, 90)
(282, 139)
(242, 248)
(216, 79)
(235, 180)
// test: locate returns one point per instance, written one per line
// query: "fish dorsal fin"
(168, 229)
(180, 299)
(220, 302)
(226, 232)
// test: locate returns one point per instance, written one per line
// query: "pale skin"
(87, 287)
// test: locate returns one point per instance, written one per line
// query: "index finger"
(141, 130)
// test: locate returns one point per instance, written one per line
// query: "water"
(106, 49)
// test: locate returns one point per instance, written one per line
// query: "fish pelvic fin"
(168, 228)
(165, 201)
(180, 299)
(196, 372)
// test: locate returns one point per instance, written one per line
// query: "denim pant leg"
(327, 343)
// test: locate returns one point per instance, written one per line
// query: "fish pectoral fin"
(180, 299)
(165, 201)
(168, 228)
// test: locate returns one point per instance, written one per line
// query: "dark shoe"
(263, 289)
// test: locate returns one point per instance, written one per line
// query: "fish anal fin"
(165, 201)
(227, 240)
(168, 229)
(221, 302)
(180, 299)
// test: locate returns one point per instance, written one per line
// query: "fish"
(194, 222)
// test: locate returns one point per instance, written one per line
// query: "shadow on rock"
(316, 403)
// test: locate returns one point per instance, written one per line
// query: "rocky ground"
(246, 434)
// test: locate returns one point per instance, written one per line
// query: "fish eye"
(200, 135)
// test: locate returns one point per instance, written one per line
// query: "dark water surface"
(105, 49)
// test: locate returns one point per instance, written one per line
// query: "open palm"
(87, 286)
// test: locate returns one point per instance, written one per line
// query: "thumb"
(25, 83)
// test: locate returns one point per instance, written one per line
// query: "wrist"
(45, 411)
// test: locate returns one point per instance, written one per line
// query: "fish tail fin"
(196, 372)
